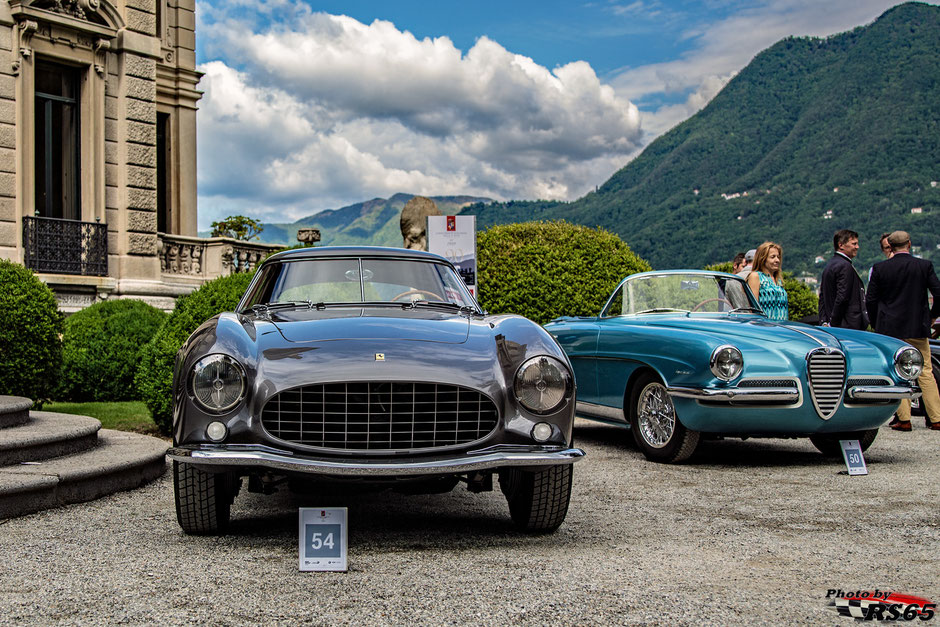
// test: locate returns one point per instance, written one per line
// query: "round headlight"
(541, 384)
(218, 382)
(908, 363)
(726, 362)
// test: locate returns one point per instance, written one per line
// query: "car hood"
(753, 328)
(372, 324)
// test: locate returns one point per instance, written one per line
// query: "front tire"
(203, 499)
(828, 444)
(655, 426)
(538, 500)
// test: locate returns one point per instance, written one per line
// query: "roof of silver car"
(320, 252)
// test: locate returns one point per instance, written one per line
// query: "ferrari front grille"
(380, 416)
(826, 374)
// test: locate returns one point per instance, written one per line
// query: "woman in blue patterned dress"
(766, 281)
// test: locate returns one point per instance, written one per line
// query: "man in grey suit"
(841, 294)
(897, 306)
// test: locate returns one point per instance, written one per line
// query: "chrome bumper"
(276, 459)
(780, 395)
(883, 392)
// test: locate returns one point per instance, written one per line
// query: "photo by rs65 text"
(880, 605)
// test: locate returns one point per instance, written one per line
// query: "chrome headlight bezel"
(726, 362)
(904, 366)
(544, 389)
(226, 373)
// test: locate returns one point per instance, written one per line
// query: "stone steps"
(14, 410)
(51, 459)
(47, 435)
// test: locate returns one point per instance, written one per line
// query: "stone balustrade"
(208, 258)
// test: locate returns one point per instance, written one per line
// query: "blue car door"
(579, 339)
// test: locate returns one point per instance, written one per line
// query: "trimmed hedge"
(100, 347)
(30, 328)
(802, 301)
(155, 374)
(542, 270)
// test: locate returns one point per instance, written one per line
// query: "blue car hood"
(754, 328)
(372, 324)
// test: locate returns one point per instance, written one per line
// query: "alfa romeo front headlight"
(726, 362)
(218, 382)
(541, 384)
(908, 363)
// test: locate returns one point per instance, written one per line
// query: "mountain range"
(814, 135)
(373, 222)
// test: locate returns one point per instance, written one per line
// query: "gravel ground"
(748, 533)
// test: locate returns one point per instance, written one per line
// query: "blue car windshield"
(357, 280)
(681, 293)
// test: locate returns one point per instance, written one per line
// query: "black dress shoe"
(902, 425)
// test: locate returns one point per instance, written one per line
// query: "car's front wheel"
(203, 499)
(828, 444)
(538, 499)
(655, 425)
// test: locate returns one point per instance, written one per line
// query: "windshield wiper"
(740, 309)
(439, 305)
(263, 308)
(663, 310)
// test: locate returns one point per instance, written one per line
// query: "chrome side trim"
(266, 457)
(782, 395)
(601, 411)
(886, 392)
(809, 335)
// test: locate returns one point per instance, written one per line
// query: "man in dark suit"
(897, 305)
(841, 295)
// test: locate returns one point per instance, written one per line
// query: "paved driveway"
(750, 532)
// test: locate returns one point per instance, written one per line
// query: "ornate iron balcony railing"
(65, 246)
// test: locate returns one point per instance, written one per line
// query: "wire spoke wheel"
(656, 427)
(656, 415)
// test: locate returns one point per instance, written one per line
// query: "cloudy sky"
(317, 105)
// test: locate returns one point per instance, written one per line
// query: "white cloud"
(327, 111)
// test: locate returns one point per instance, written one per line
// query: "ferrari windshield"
(358, 280)
(682, 293)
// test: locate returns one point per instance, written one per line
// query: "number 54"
(317, 541)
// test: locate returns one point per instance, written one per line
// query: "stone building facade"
(98, 104)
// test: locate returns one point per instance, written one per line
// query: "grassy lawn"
(123, 416)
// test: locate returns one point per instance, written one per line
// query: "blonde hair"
(760, 260)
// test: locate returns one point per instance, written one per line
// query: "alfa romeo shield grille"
(826, 370)
(379, 416)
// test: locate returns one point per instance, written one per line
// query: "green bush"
(724, 266)
(30, 330)
(155, 374)
(100, 347)
(800, 298)
(542, 270)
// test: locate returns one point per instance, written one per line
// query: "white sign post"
(455, 238)
(854, 459)
(323, 538)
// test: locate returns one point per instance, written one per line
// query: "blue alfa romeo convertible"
(682, 354)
